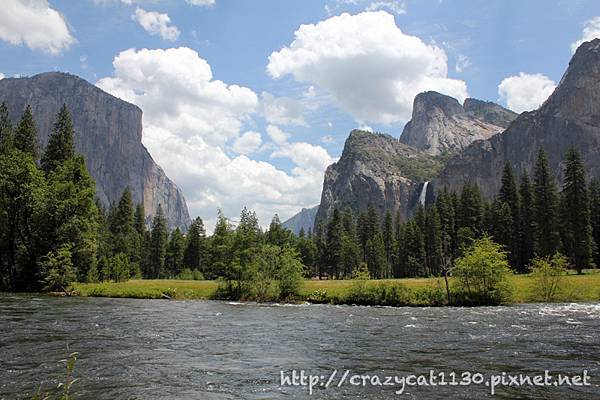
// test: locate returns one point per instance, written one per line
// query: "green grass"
(575, 288)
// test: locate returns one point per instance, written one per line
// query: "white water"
(423, 195)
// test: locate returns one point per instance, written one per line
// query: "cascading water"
(423, 195)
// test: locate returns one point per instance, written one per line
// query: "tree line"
(530, 217)
(54, 230)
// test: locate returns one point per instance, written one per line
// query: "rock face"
(108, 132)
(570, 117)
(305, 219)
(441, 125)
(376, 169)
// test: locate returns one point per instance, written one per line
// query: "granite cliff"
(108, 132)
(569, 117)
(305, 219)
(441, 125)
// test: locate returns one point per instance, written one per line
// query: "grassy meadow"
(573, 288)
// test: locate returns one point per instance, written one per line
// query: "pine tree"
(502, 223)
(174, 255)
(433, 241)
(25, 137)
(375, 257)
(545, 209)
(509, 194)
(195, 254)
(470, 211)
(527, 237)
(595, 218)
(6, 130)
(576, 225)
(388, 241)
(139, 219)
(277, 234)
(158, 248)
(61, 145)
(447, 215)
(334, 238)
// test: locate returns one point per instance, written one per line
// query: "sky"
(246, 103)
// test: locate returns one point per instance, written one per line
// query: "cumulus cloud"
(462, 62)
(591, 30)
(328, 139)
(248, 143)
(305, 155)
(282, 110)
(35, 24)
(203, 3)
(156, 23)
(190, 120)
(367, 64)
(525, 92)
(1, 76)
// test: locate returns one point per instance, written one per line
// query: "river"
(160, 349)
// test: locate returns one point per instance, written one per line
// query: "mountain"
(441, 125)
(376, 169)
(108, 132)
(305, 219)
(569, 117)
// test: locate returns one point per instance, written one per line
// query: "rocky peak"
(108, 132)
(440, 124)
(569, 117)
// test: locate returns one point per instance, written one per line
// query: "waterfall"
(423, 195)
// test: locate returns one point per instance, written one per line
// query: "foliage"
(548, 273)
(57, 270)
(482, 275)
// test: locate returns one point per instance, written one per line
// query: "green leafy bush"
(548, 274)
(482, 275)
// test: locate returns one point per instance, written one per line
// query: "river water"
(160, 349)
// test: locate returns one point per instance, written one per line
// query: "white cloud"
(204, 3)
(305, 155)
(1, 76)
(156, 23)
(591, 30)
(282, 110)
(247, 143)
(395, 6)
(277, 135)
(189, 122)
(328, 139)
(367, 64)
(462, 62)
(35, 24)
(525, 92)
(365, 128)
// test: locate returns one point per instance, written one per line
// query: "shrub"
(482, 275)
(547, 274)
(188, 274)
(318, 296)
(57, 270)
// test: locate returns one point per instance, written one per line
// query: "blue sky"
(225, 148)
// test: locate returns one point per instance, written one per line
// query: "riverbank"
(417, 291)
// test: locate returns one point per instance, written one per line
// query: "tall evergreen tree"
(545, 209)
(433, 241)
(6, 130)
(509, 194)
(139, 219)
(527, 235)
(61, 145)
(25, 137)
(277, 234)
(577, 229)
(158, 240)
(334, 239)
(470, 211)
(388, 241)
(175, 252)
(196, 251)
(595, 218)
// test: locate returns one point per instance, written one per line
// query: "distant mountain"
(569, 117)
(108, 132)
(305, 219)
(441, 125)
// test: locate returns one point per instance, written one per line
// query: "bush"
(188, 274)
(57, 270)
(381, 294)
(547, 274)
(482, 275)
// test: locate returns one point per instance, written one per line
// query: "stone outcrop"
(376, 169)
(569, 117)
(108, 132)
(441, 125)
